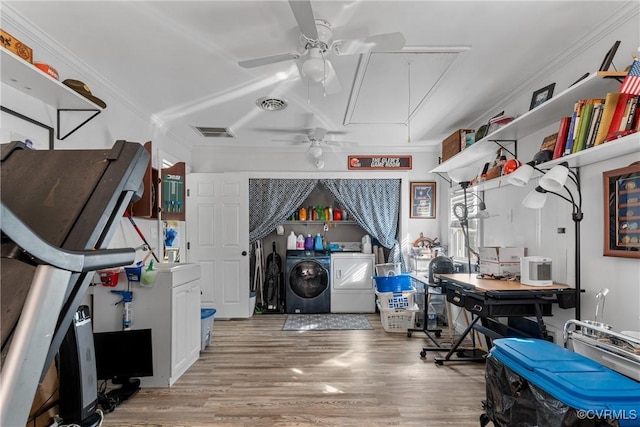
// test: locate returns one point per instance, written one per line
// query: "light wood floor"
(255, 374)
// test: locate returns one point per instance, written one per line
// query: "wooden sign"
(382, 162)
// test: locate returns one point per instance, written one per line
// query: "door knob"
(244, 253)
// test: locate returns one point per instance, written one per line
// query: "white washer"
(352, 285)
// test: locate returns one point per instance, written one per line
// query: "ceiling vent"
(214, 132)
(271, 104)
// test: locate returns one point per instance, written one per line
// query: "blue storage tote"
(562, 385)
(398, 283)
(206, 326)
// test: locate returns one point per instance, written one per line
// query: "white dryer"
(352, 285)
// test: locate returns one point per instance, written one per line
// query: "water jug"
(318, 243)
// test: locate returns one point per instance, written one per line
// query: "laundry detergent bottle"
(291, 241)
(300, 242)
(317, 245)
(308, 243)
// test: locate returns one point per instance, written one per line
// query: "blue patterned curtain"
(272, 201)
(374, 204)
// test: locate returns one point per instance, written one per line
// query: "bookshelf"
(544, 115)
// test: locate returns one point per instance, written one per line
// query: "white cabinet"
(170, 308)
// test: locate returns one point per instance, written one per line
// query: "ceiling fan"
(314, 136)
(317, 42)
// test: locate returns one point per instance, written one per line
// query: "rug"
(325, 322)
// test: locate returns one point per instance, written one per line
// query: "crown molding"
(629, 10)
(42, 41)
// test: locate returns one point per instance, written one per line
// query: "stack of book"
(596, 121)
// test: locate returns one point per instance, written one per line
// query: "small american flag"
(631, 83)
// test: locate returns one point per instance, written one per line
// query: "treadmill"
(58, 212)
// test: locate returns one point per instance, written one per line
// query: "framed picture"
(542, 95)
(18, 127)
(608, 58)
(423, 200)
(622, 211)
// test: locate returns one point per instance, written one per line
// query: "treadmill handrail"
(75, 261)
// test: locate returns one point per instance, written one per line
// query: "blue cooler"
(536, 382)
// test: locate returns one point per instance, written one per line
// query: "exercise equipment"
(58, 212)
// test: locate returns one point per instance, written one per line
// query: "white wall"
(537, 229)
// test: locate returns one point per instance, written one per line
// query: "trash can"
(206, 326)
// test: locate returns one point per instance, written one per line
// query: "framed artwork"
(18, 127)
(542, 95)
(423, 200)
(608, 58)
(621, 190)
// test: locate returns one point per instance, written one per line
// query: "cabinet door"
(179, 330)
(185, 329)
(193, 323)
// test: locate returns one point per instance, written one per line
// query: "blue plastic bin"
(566, 384)
(206, 326)
(398, 283)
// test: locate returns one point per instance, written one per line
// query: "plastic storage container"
(398, 283)
(206, 326)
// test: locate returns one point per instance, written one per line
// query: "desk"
(487, 300)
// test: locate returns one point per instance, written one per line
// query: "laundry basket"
(397, 319)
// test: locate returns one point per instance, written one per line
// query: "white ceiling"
(177, 61)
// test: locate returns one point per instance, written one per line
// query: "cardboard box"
(500, 261)
(454, 143)
(16, 46)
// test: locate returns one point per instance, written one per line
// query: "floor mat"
(325, 322)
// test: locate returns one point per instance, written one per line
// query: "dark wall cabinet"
(164, 192)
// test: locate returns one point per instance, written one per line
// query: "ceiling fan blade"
(304, 16)
(257, 62)
(340, 143)
(297, 140)
(332, 83)
(379, 43)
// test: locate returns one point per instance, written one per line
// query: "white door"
(218, 238)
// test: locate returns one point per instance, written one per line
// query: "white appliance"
(352, 286)
(535, 271)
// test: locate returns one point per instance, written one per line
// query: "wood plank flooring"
(255, 374)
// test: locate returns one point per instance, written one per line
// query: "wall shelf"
(544, 115)
(25, 77)
(329, 223)
(609, 150)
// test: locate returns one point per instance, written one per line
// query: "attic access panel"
(381, 93)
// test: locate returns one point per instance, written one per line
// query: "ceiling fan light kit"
(316, 40)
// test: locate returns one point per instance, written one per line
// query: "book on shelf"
(633, 112)
(618, 114)
(575, 116)
(610, 103)
(563, 131)
(583, 125)
(549, 142)
(595, 123)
